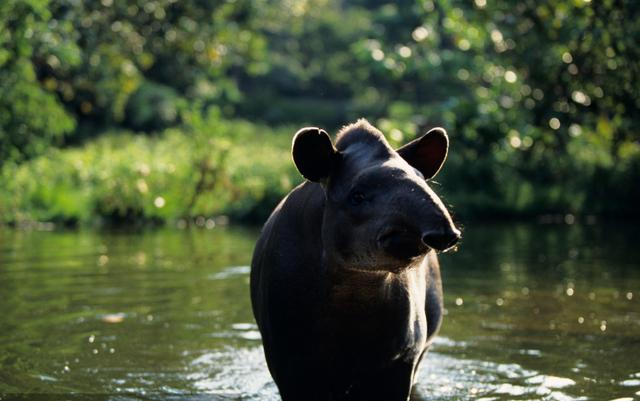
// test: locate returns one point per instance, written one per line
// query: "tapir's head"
(380, 214)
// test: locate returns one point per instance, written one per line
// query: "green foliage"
(31, 118)
(64, 63)
(188, 46)
(153, 107)
(540, 100)
(208, 168)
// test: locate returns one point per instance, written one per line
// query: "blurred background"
(161, 111)
(180, 114)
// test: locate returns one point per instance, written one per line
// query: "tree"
(31, 117)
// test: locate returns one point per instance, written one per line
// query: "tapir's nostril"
(441, 239)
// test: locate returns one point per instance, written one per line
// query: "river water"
(533, 312)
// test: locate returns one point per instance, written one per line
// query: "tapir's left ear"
(427, 153)
(314, 153)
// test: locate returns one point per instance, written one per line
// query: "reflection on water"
(533, 313)
(443, 378)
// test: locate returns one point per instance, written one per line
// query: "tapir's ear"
(313, 153)
(427, 153)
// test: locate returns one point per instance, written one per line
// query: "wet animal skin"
(345, 281)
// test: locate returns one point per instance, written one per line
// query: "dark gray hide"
(345, 282)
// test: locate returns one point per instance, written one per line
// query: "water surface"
(534, 312)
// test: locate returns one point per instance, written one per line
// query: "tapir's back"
(286, 263)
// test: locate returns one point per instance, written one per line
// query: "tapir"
(345, 281)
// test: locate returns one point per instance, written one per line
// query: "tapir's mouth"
(402, 243)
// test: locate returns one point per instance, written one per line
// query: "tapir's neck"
(389, 304)
(348, 285)
(351, 285)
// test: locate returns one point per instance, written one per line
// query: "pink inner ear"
(430, 154)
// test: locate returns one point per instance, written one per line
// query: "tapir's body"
(345, 315)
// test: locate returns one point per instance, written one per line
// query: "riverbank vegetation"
(163, 111)
(231, 168)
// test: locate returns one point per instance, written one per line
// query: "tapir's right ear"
(313, 153)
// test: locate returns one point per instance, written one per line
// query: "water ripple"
(229, 272)
(241, 373)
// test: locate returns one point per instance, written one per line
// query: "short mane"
(360, 132)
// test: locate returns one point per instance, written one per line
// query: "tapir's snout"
(419, 222)
(405, 242)
(441, 239)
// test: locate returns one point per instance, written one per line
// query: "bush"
(206, 168)
(153, 107)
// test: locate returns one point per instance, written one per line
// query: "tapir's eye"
(356, 198)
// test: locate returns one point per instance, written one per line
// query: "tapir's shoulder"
(301, 208)
(293, 231)
(288, 250)
(308, 197)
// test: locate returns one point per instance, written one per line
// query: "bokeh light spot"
(159, 202)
